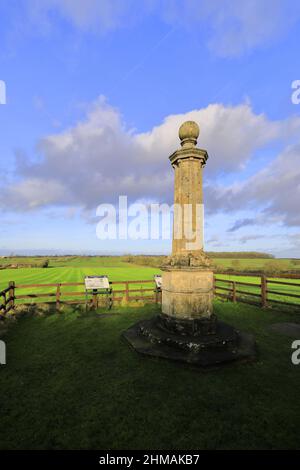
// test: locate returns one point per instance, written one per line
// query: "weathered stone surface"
(189, 131)
(188, 201)
(186, 326)
(187, 292)
(149, 338)
(187, 279)
(196, 258)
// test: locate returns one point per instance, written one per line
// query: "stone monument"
(187, 329)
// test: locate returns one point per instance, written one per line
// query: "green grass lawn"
(71, 382)
(253, 263)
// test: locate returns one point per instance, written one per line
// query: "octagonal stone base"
(155, 338)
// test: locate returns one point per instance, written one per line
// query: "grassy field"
(74, 268)
(118, 261)
(115, 270)
(73, 261)
(252, 264)
(71, 382)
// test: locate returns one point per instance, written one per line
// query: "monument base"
(222, 344)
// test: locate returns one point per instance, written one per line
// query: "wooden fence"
(261, 294)
(59, 296)
(7, 299)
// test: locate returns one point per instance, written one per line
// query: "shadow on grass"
(76, 384)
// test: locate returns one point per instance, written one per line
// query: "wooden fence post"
(4, 303)
(11, 294)
(127, 291)
(95, 299)
(58, 294)
(233, 291)
(264, 291)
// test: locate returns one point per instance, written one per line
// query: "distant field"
(119, 261)
(75, 268)
(76, 261)
(123, 272)
(253, 263)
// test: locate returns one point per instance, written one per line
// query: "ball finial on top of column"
(188, 133)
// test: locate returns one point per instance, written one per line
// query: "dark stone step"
(225, 337)
(148, 339)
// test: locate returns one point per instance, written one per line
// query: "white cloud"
(239, 132)
(277, 187)
(32, 193)
(274, 191)
(99, 159)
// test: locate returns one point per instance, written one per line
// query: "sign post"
(158, 284)
(97, 285)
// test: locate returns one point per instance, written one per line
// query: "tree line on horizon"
(211, 254)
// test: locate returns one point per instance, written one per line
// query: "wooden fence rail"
(263, 296)
(7, 299)
(260, 293)
(59, 296)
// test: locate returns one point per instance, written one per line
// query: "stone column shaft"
(188, 198)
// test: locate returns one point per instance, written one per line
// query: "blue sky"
(96, 91)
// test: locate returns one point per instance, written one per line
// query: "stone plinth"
(187, 286)
(187, 293)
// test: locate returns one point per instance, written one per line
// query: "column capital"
(189, 153)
